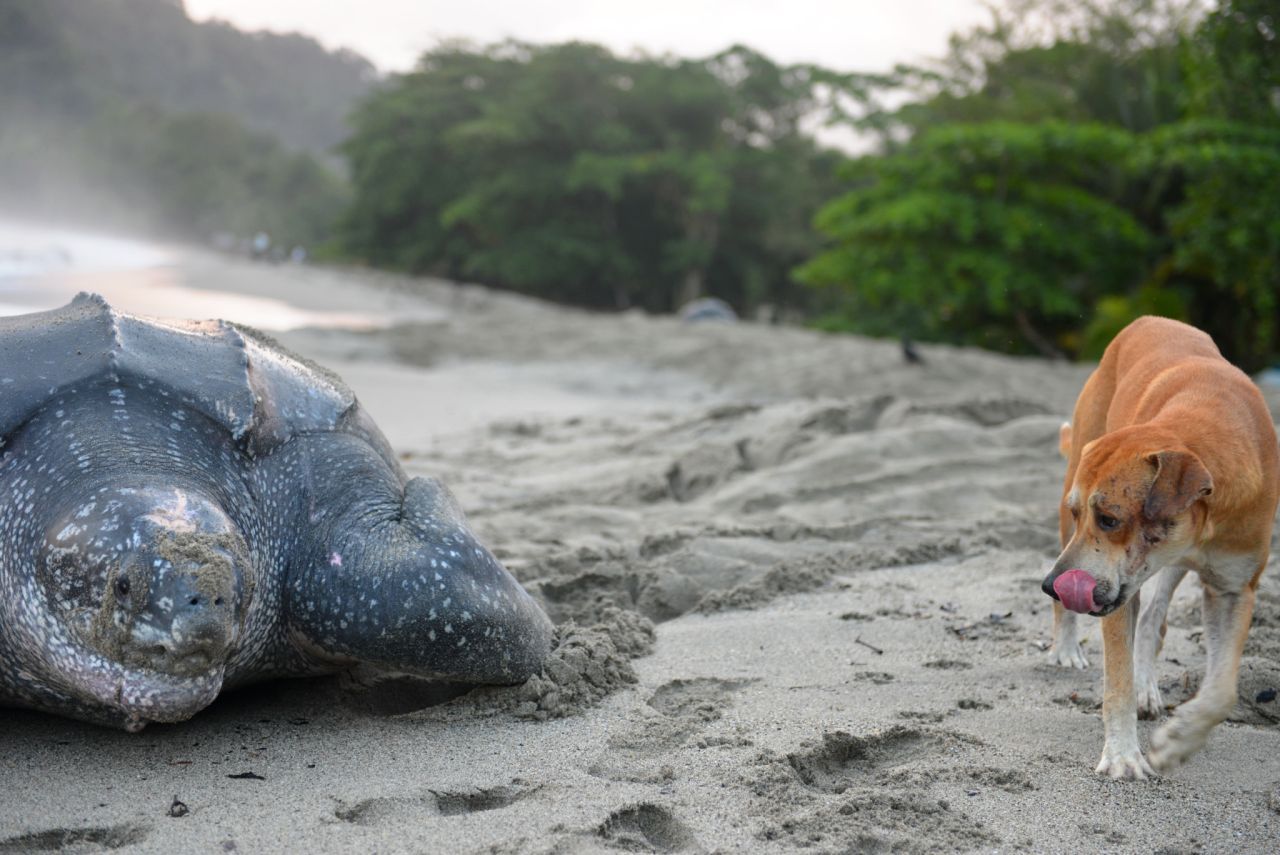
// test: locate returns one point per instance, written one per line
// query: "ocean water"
(42, 267)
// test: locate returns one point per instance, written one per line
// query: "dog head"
(1138, 504)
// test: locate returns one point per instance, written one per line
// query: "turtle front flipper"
(395, 578)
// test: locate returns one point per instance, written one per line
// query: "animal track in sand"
(686, 707)
(973, 704)
(843, 760)
(948, 664)
(922, 716)
(880, 821)
(878, 678)
(1014, 781)
(398, 810)
(1009, 780)
(700, 697)
(646, 827)
(87, 839)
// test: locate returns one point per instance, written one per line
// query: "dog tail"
(1064, 439)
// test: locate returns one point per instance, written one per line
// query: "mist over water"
(44, 266)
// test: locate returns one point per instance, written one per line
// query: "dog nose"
(1047, 584)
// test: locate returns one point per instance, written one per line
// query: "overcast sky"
(846, 35)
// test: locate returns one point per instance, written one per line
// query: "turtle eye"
(122, 587)
(1105, 522)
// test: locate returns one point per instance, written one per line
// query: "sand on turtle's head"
(176, 603)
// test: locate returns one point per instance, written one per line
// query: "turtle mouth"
(133, 697)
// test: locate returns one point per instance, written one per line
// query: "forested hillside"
(127, 108)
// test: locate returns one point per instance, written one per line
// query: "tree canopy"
(1048, 185)
(1065, 167)
(571, 173)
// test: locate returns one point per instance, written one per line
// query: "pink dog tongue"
(1075, 589)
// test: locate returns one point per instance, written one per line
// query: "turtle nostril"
(217, 601)
(195, 601)
(159, 650)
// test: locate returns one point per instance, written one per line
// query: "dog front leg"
(1066, 650)
(1121, 756)
(1149, 638)
(1226, 624)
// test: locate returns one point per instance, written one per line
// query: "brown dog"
(1173, 465)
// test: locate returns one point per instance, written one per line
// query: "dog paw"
(1124, 765)
(1068, 656)
(1176, 741)
(1150, 702)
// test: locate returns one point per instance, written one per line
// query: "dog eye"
(1105, 522)
(122, 587)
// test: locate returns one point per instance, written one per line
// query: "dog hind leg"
(1149, 638)
(1226, 624)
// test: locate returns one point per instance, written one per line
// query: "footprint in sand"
(922, 716)
(681, 711)
(878, 678)
(881, 820)
(79, 839)
(844, 760)
(871, 795)
(400, 810)
(646, 827)
(686, 707)
(701, 697)
(973, 704)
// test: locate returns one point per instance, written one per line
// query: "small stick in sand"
(876, 650)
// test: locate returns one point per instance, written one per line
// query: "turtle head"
(153, 580)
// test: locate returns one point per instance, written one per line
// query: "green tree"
(1216, 179)
(1066, 169)
(571, 173)
(997, 234)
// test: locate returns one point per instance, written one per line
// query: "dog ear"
(1181, 480)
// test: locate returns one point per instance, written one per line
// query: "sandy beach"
(797, 582)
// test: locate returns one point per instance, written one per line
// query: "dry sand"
(799, 586)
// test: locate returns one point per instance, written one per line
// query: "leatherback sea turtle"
(187, 506)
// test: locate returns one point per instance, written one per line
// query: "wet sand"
(798, 586)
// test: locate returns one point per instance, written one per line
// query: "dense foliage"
(571, 173)
(1045, 189)
(127, 110)
(1063, 169)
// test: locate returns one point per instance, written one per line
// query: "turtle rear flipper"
(399, 581)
